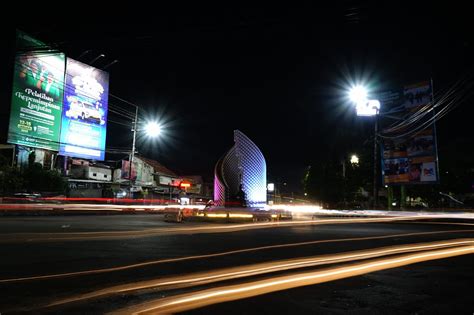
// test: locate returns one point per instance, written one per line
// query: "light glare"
(358, 94)
(152, 129)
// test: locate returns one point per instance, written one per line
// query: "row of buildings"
(111, 179)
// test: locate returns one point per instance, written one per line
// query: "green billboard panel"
(37, 95)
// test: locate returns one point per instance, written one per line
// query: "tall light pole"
(366, 107)
(132, 154)
(152, 130)
(376, 188)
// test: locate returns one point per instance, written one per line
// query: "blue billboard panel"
(84, 117)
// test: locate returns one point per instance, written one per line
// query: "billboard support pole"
(13, 155)
(403, 197)
(390, 197)
(435, 133)
(132, 154)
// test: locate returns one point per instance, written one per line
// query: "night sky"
(277, 75)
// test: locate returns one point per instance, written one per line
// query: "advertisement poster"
(416, 95)
(84, 118)
(411, 159)
(37, 97)
(421, 144)
(396, 170)
(126, 170)
(142, 173)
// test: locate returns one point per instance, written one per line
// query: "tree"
(39, 180)
(323, 181)
(10, 177)
(336, 182)
(33, 179)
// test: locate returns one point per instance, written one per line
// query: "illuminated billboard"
(411, 159)
(368, 108)
(35, 117)
(84, 117)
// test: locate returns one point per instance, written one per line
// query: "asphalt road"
(30, 247)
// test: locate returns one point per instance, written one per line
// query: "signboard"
(194, 189)
(368, 108)
(37, 95)
(411, 159)
(166, 180)
(84, 117)
(142, 173)
(126, 170)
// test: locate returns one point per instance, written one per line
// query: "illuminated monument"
(240, 176)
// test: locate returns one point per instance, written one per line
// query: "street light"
(152, 130)
(354, 159)
(358, 94)
(367, 107)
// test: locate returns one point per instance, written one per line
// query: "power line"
(451, 99)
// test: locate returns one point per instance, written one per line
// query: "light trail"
(238, 251)
(262, 268)
(80, 236)
(157, 205)
(469, 214)
(129, 205)
(193, 300)
(444, 223)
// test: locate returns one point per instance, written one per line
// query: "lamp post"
(367, 107)
(152, 130)
(376, 188)
(132, 154)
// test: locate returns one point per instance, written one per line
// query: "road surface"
(136, 263)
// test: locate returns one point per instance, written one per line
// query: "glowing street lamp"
(358, 94)
(365, 107)
(152, 129)
(354, 159)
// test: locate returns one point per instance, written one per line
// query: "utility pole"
(344, 181)
(343, 168)
(169, 190)
(132, 154)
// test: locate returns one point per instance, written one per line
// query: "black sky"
(277, 75)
